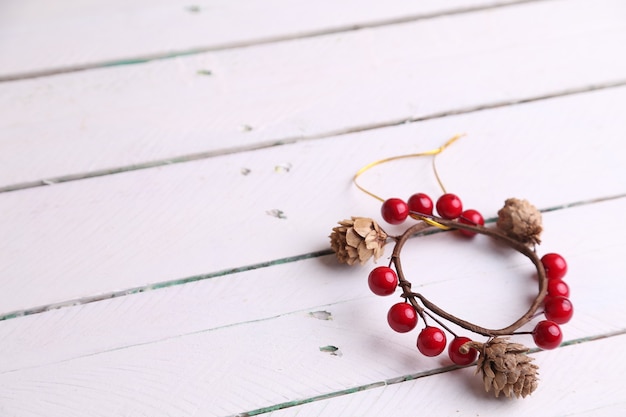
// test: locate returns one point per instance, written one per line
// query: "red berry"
(402, 317)
(431, 341)
(555, 265)
(449, 206)
(461, 358)
(394, 211)
(558, 287)
(558, 309)
(471, 217)
(421, 203)
(383, 280)
(547, 335)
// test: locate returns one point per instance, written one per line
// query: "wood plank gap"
(159, 285)
(263, 41)
(172, 337)
(322, 135)
(230, 271)
(404, 378)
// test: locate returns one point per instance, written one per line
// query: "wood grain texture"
(113, 233)
(297, 288)
(197, 282)
(175, 351)
(120, 117)
(565, 389)
(43, 36)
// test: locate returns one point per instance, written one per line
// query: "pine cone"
(357, 239)
(505, 367)
(520, 220)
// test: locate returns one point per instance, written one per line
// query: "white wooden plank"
(112, 233)
(269, 293)
(202, 350)
(116, 117)
(246, 341)
(39, 35)
(580, 380)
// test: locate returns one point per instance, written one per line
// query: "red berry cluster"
(558, 309)
(449, 206)
(402, 317)
(431, 341)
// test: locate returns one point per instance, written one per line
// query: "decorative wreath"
(505, 366)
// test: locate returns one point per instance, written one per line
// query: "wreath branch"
(522, 248)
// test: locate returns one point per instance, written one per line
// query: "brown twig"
(491, 232)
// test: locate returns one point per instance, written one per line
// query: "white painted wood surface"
(176, 290)
(42, 36)
(158, 225)
(113, 118)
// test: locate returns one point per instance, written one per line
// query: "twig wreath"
(505, 366)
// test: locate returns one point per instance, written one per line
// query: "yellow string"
(433, 152)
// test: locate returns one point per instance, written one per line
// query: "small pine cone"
(358, 239)
(505, 367)
(520, 220)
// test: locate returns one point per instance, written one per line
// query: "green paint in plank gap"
(144, 60)
(593, 338)
(132, 61)
(204, 72)
(401, 379)
(160, 285)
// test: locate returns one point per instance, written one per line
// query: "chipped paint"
(283, 168)
(321, 315)
(279, 214)
(333, 350)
